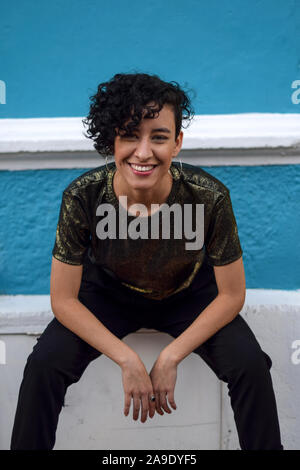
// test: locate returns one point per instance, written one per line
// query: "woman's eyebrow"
(157, 129)
(161, 129)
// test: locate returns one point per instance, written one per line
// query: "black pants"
(60, 357)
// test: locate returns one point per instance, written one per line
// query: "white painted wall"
(93, 416)
(245, 130)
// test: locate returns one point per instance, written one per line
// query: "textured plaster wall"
(238, 56)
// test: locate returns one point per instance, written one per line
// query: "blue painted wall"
(265, 201)
(239, 56)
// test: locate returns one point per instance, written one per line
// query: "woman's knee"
(47, 366)
(243, 351)
(51, 357)
(268, 359)
(250, 363)
(41, 360)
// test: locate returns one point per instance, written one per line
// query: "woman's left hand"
(163, 377)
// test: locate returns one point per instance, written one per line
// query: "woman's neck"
(145, 197)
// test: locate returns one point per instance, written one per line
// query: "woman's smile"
(142, 170)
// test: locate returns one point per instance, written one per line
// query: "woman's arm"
(64, 287)
(222, 310)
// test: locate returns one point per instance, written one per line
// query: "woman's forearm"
(222, 310)
(78, 318)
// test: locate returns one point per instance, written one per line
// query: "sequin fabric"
(157, 268)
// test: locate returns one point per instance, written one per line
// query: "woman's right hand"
(137, 385)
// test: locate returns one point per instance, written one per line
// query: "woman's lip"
(138, 164)
(147, 172)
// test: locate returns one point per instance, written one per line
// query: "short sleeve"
(72, 232)
(222, 242)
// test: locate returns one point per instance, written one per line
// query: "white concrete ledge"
(29, 314)
(246, 130)
(204, 419)
(273, 297)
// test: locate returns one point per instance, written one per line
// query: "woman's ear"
(178, 144)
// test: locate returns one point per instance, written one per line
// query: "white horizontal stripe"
(30, 314)
(249, 130)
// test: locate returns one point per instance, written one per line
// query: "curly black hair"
(127, 96)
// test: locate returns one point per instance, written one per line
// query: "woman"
(112, 275)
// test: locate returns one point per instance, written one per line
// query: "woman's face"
(151, 147)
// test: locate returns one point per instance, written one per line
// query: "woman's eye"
(158, 138)
(131, 136)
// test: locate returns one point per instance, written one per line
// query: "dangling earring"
(180, 164)
(106, 162)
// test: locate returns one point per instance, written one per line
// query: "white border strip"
(29, 314)
(243, 131)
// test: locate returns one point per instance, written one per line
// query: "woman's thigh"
(60, 348)
(231, 349)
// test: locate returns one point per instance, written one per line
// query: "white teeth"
(142, 168)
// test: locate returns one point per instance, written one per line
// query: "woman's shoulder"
(202, 179)
(89, 182)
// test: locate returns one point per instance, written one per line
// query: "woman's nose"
(143, 148)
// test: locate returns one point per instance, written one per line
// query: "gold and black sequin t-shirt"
(157, 267)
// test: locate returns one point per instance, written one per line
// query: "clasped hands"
(140, 386)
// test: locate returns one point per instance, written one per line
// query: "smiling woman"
(147, 148)
(102, 289)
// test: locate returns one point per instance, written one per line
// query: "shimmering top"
(155, 267)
